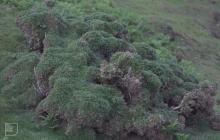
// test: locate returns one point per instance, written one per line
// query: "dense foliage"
(90, 71)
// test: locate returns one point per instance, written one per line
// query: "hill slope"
(190, 19)
(72, 62)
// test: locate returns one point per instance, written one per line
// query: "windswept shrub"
(198, 104)
(36, 23)
(110, 73)
(102, 43)
(130, 86)
(127, 81)
(145, 51)
(91, 77)
(190, 86)
(18, 83)
(159, 40)
(114, 28)
(191, 74)
(20, 4)
(126, 61)
(79, 27)
(153, 82)
(21, 66)
(85, 108)
(28, 99)
(17, 80)
(93, 74)
(50, 3)
(100, 16)
(165, 73)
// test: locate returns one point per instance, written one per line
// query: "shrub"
(189, 86)
(145, 51)
(92, 77)
(152, 81)
(18, 75)
(114, 28)
(126, 60)
(100, 16)
(102, 43)
(50, 121)
(79, 27)
(197, 104)
(52, 59)
(191, 75)
(93, 74)
(164, 72)
(88, 106)
(159, 40)
(20, 4)
(28, 99)
(18, 84)
(37, 23)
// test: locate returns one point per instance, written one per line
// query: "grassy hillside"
(81, 78)
(190, 19)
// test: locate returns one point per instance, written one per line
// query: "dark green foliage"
(52, 59)
(79, 27)
(17, 83)
(179, 91)
(89, 75)
(29, 99)
(145, 51)
(168, 78)
(93, 74)
(135, 35)
(100, 16)
(8, 58)
(17, 80)
(174, 97)
(190, 86)
(42, 20)
(51, 39)
(17, 77)
(50, 3)
(152, 81)
(36, 24)
(113, 28)
(102, 43)
(87, 105)
(179, 71)
(20, 4)
(127, 60)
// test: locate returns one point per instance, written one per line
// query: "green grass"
(10, 36)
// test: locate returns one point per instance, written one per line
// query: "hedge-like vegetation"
(89, 71)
